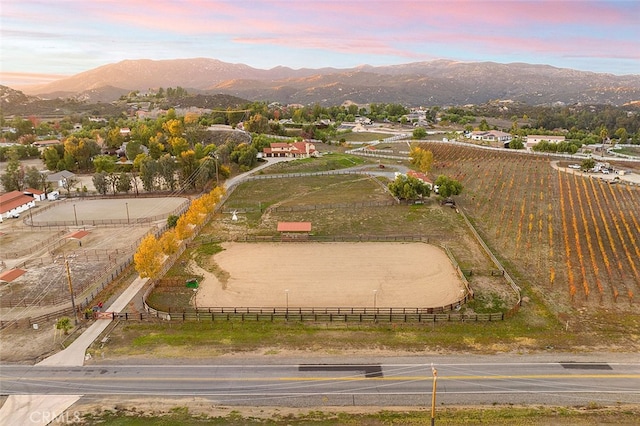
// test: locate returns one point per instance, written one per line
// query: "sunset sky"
(44, 40)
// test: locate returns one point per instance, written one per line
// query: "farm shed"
(294, 230)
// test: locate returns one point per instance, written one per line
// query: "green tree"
(172, 220)
(622, 135)
(33, 178)
(148, 173)
(124, 182)
(419, 133)
(100, 182)
(516, 143)
(257, 124)
(409, 188)
(13, 177)
(133, 149)
(104, 163)
(587, 164)
(52, 156)
(187, 166)
(447, 186)
(64, 324)
(70, 183)
(167, 171)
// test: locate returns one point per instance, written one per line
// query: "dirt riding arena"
(117, 209)
(330, 275)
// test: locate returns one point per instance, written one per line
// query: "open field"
(329, 161)
(330, 274)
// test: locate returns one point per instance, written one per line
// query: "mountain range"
(440, 82)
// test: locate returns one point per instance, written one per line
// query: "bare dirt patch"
(331, 274)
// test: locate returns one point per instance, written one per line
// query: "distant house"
(46, 143)
(533, 140)
(60, 179)
(296, 150)
(490, 136)
(421, 177)
(13, 203)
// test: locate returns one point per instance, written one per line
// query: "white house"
(60, 178)
(533, 140)
(490, 136)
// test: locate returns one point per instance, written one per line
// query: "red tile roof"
(421, 176)
(294, 226)
(78, 234)
(11, 274)
(13, 199)
(33, 191)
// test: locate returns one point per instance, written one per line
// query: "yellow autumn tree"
(421, 158)
(184, 229)
(169, 242)
(148, 257)
(173, 127)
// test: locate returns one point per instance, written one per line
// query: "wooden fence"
(30, 321)
(389, 315)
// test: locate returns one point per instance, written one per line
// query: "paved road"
(317, 383)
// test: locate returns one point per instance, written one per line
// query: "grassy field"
(363, 136)
(633, 151)
(590, 414)
(330, 161)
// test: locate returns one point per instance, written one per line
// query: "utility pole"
(73, 300)
(433, 395)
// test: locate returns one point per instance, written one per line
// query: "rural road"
(362, 382)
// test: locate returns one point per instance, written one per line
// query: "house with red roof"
(296, 150)
(421, 177)
(13, 203)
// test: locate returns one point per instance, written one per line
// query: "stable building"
(13, 203)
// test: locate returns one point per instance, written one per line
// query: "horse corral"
(42, 250)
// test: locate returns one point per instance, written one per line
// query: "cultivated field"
(573, 237)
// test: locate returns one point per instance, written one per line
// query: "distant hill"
(96, 102)
(439, 82)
